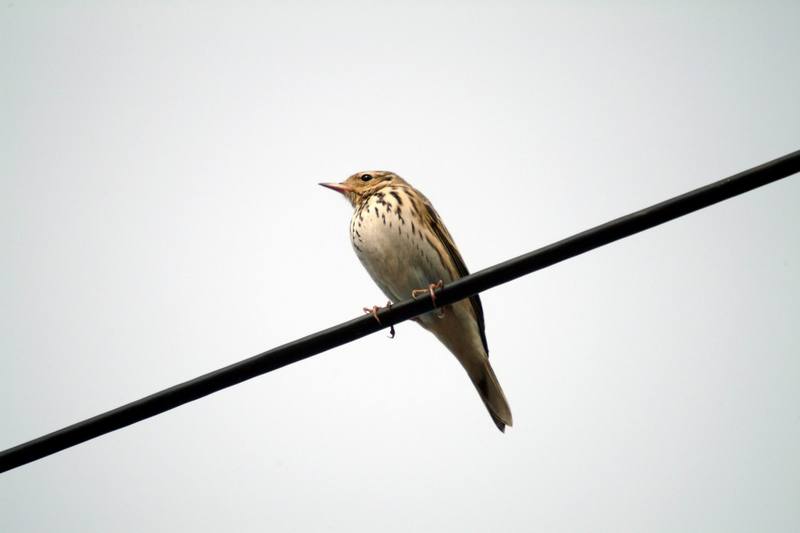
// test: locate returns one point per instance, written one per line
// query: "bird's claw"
(374, 312)
(429, 290)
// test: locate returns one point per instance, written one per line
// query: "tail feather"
(491, 393)
(459, 331)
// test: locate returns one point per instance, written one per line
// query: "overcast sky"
(160, 218)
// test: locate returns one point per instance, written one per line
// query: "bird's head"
(363, 184)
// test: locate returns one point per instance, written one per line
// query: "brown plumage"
(404, 245)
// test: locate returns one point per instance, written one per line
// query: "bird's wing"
(430, 215)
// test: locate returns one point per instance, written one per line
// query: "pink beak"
(338, 187)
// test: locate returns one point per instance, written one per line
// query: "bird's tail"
(491, 393)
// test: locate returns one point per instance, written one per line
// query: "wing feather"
(443, 236)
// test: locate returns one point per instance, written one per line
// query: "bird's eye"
(366, 177)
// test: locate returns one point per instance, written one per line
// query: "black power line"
(360, 327)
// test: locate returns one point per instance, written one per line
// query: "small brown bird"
(405, 247)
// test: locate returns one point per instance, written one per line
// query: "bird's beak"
(338, 187)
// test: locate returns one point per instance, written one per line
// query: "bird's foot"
(374, 312)
(429, 290)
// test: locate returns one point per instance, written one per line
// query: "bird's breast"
(394, 246)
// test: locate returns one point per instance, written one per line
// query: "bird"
(405, 247)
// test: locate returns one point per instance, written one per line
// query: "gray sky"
(160, 218)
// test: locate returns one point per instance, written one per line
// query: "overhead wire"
(351, 330)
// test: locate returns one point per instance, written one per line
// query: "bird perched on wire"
(405, 247)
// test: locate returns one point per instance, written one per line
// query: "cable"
(349, 331)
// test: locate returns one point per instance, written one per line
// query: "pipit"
(405, 247)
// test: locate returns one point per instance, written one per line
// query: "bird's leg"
(374, 312)
(429, 290)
